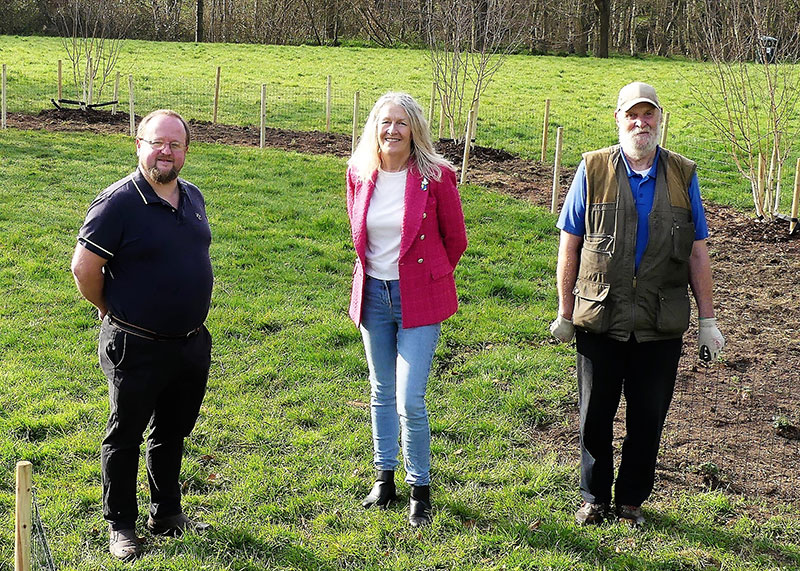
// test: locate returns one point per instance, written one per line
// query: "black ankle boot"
(383, 491)
(419, 507)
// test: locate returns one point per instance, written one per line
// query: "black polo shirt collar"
(149, 196)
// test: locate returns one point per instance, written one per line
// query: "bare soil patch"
(733, 425)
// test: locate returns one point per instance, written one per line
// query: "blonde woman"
(409, 234)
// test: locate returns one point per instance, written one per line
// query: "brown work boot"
(632, 515)
(175, 525)
(123, 544)
(591, 514)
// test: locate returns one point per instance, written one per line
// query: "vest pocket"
(672, 313)
(591, 312)
(682, 240)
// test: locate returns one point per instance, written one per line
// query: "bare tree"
(751, 104)
(460, 72)
(91, 33)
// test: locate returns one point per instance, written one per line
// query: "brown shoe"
(123, 544)
(175, 525)
(632, 515)
(591, 514)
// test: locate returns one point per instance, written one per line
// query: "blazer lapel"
(415, 200)
(360, 207)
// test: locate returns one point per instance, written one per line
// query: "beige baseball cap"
(634, 93)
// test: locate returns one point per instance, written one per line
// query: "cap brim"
(632, 102)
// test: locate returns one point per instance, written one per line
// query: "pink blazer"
(433, 239)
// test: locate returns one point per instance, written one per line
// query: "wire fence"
(517, 129)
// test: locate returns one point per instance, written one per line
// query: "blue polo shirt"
(573, 214)
(158, 275)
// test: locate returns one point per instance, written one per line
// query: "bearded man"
(633, 241)
(142, 260)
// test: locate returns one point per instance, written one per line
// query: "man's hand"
(710, 340)
(562, 329)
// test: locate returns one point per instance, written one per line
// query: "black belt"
(146, 333)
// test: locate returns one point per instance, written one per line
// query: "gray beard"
(634, 152)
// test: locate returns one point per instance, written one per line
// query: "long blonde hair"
(366, 158)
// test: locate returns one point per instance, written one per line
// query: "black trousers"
(156, 383)
(646, 373)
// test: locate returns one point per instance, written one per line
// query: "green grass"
(281, 454)
(582, 91)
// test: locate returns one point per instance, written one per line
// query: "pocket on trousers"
(116, 347)
(672, 314)
(591, 306)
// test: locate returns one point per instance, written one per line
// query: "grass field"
(281, 454)
(582, 92)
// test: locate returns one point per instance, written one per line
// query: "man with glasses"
(142, 260)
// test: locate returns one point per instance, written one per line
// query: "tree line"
(583, 27)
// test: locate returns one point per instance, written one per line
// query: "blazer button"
(424, 215)
(422, 237)
(420, 261)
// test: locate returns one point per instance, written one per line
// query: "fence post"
(355, 123)
(263, 114)
(556, 170)
(216, 97)
(60, 92)
(130, 106)
(467, 139)
(795, 199)
(90, 95)
(664, 129)
(23, 518)
(3, 107)
(328, 96)
(545, 127)
(116, 95)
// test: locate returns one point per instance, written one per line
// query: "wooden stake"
(355, 124)
(23, 518)
(216, 97)
(90, 95)
(474, 127)
(556, 169)
(777, 205)
(762, 168)
(3, 107)
(441, 120)
(116, 95)
(328, 97)
(432, 107)
(795, 199)
(130, 106)
(545, 127)
(467, 139)
(264, 114)
(664, 129)
(59, 81)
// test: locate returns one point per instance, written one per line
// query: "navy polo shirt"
(158, 275)
(573, 214)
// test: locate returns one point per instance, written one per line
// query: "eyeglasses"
(158, 144)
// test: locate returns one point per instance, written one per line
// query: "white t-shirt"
(385, 224)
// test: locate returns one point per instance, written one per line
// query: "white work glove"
(709, 339)
(562, 329)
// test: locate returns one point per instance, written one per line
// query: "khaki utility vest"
(611, 297)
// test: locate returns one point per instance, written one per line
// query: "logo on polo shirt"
(199, 216)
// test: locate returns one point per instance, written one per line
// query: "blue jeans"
(399, 361)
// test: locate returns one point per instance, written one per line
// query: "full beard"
(162, 177)
(636, 148)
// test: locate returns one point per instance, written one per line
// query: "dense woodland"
(592, 27)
